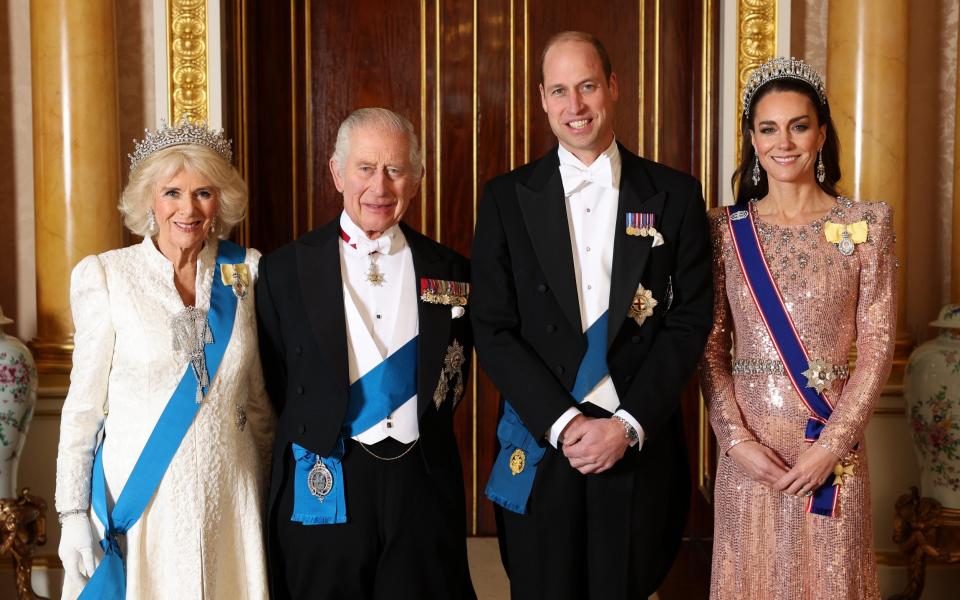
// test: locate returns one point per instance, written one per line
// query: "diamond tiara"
(783, 68)
(186, 132)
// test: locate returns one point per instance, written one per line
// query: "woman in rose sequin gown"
(766, 544)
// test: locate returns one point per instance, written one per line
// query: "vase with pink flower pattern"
(18, 396)
(932, 391)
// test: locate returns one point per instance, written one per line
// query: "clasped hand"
(764, 466)
(593, 445)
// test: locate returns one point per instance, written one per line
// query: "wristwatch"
(628, 431)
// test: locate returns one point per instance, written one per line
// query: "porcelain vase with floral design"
(18, 396)
(932, 391)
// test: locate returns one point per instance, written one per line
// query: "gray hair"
(378, 117)
(141, 189)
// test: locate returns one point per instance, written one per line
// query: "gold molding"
(187, 59)
(641, 54)
(756, 43)
(526, 81)
(656, 80)
(437, 118)
(705, 450)
(473, 365)
(424, 183)
(294, 221)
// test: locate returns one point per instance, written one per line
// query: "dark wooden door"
(466, 74)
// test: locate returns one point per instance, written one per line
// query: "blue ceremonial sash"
(766, 296)
(511, 488)
(382, 390)
(109, 579)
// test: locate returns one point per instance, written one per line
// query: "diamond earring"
(213, 225)
(151, 221)
(756, 171)
(821, 171)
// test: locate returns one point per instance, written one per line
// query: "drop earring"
(756, 171)
(213, 225)
(151, 222)
(821, 171)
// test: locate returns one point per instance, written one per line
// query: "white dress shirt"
(592, 200)
(380, 319)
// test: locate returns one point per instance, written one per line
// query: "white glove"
(77, 548)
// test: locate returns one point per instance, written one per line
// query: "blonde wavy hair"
(141, 189)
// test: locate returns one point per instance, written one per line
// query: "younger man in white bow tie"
(592, 302)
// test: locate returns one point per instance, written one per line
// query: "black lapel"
(433, 319)
(545, 214)
(318, 269)
(630, 253)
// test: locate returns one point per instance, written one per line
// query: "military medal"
(518, 460)
(320, 480)
(441, 291)
(644, 225)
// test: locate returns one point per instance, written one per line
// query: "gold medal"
(518, 460)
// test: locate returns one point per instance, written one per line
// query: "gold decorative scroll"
(756, 43)
(187, 59)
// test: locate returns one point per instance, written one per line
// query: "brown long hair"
(742, 182)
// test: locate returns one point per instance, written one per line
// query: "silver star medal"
(320, 480)
(819, 375)
(374, 276)
(190, 333)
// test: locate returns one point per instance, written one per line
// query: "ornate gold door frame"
(188, 58)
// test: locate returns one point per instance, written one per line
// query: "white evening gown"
(201, 536)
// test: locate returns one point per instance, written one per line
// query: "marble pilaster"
(75, 147)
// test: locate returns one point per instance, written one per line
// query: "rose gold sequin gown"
(766, 546)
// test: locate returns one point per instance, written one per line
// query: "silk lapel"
(630, 253)
(318, 269)
(434, 319)
(545, 214)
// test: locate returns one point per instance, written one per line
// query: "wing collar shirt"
(592, 195)
(380, 319)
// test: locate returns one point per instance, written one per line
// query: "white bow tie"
(368, 246)
(575, 177)
(381, 245)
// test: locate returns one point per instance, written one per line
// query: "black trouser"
(404, 537)
(610, 536)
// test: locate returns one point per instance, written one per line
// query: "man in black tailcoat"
(591, 305)
(365, 343)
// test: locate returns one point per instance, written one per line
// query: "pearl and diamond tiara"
(783, 68)
(186, 132)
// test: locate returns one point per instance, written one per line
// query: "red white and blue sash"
(766, 296)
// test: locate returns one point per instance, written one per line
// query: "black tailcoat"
(303, 348)
(526, 320)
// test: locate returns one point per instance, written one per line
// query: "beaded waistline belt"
(762, 366)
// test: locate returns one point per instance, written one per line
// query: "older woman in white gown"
(152, 321)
